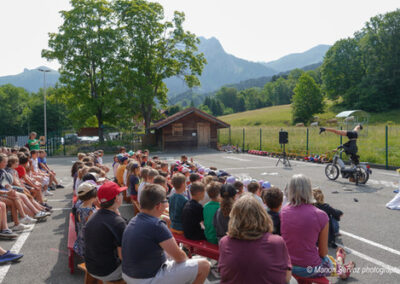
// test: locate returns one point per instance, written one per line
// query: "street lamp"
(44, 102)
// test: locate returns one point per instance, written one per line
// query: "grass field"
(371, 144)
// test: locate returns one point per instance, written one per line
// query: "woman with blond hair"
(250, 253)
(302, 227)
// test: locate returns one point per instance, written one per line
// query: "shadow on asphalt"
(60, 272)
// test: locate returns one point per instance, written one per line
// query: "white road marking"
(372, 260)
(15, 249)
(269, 174)
(237, 159)
(372, 243)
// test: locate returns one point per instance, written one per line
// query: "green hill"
(281, 116)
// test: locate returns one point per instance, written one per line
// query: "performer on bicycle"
(350, 147)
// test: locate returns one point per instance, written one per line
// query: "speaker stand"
(283, 159)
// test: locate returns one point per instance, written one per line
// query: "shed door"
(203, 134)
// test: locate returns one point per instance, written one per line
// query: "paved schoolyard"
(370, 232)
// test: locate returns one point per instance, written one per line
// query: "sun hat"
(85, 187)
(231, 180)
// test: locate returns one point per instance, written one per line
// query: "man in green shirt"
(33, 143)
(209, 210)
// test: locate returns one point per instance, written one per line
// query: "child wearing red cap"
(103, 235)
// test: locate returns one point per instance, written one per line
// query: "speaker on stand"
(283, 140)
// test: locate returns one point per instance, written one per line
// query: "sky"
(256, 30)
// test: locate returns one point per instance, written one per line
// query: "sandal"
(348, 268)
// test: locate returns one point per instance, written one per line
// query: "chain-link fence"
(380, 146)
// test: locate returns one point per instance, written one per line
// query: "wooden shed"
(190, 128)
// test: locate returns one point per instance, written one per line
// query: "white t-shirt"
(100, 160)
(125, 177)
(140, 188)
(35, 165)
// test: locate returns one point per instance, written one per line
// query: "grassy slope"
(281, 116)
(271, 119)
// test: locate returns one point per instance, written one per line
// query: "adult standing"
(33, 143)
(146, 241)
(103, 235)
(302, 227)
(250, 253)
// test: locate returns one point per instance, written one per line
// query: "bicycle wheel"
(361, 175)
(331, 171)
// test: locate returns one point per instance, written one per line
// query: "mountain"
(298, 60)
(221, 69)
(188, 96)
(31, 80)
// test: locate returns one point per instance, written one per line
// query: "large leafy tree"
(153, 49)
(364, 71)
(342, 70)
(307, 99)
(85, 46)
(14, 104)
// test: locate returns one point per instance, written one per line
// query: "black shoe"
(59, 186)
(333, 245)
(51, 188)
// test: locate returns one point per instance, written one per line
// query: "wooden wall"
(186, 141)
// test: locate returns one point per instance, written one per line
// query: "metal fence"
(67, 145)
(381, 145)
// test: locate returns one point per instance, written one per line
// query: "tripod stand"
(283, 158)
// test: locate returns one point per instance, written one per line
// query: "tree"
(229, 97)
(152, 50)
(85, 46)
(56, 111)
(342, 70)
(307, 99)
(14, 112)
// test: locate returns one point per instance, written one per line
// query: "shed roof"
(185, 112)
(348, 113)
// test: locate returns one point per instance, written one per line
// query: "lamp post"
(44, 103)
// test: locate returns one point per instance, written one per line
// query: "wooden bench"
(318, 280)
(89, 279)
(202, 248)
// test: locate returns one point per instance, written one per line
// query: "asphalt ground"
(370, 232)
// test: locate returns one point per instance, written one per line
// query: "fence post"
(307, 142)
(341, 141)
(64, 145)
(260, 139)
(230, 137)
(243, 139)
(387, 148)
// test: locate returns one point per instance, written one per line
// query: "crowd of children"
(25, 182)
(192, 200)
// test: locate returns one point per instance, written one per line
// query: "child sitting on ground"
(176, 203)
(273, 198)
(209, 210)
(333, 214)
(87, 193)
(192, 214)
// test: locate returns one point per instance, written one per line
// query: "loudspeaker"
(283, 137)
